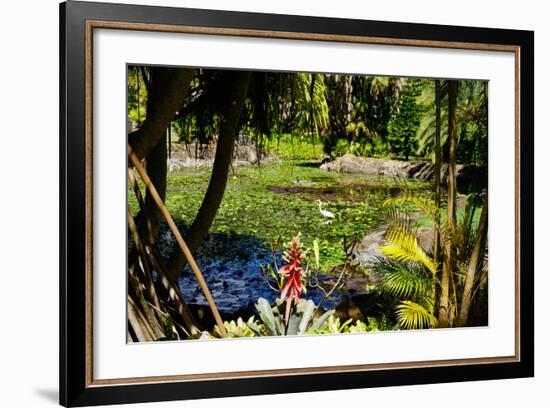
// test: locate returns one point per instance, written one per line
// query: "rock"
(470, 177)
(366, 251)
(195, 155)
(425, 237)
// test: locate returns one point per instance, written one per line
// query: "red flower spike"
(292, 273)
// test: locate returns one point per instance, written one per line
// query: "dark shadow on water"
(309, 164)
(51, 395)
(348, 192)
(230, 264)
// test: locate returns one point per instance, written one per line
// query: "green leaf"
(318, 324)
(411, 315)
(307, 313)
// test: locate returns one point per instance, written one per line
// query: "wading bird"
(327, 214)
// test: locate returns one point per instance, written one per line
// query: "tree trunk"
(437, 178)
(235, 85)
(149, 222)
(444, 304)
(479, 247)
(167, 91)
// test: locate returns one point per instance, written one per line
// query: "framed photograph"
(256, 203)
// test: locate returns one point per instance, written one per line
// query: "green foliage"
(360, 110)
(402, 245)
(312, 102)
(170, 332)
(405, 122)
(335, 326)
(402, 281)
(424, 203)
(363, 115)
(414, 316)
(137, 96)
(270, 212)
(294, 147)
(472, 121)
(302, 318)
(238, 328)
(409, 274)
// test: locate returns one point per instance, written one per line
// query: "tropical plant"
(301, 320)
(335, 326)
(411, 275)
(471, 117)
(402, 245)
(404, 124)
(238, 328)
(445, 305)
(292, 274)
(413, 284)
(411, 315)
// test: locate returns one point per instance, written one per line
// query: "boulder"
(470, 177)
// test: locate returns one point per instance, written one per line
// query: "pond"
(273, 202)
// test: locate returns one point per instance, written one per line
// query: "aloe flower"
(292, 273)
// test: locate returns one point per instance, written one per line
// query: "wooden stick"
(183, 246)
(170, 286)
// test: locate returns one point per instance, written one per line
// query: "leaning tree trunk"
(446, 276)
(235, 84)
(477, 253)
(166, 92)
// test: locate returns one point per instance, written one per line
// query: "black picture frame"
(76, 386)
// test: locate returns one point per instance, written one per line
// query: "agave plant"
(302, 318)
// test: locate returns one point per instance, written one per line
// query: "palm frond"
(425, 204)
(403, 246)
(411, 315)
(404, 282)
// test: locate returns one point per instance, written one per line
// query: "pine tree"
(404, 124)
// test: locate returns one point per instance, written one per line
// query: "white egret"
(327, 214)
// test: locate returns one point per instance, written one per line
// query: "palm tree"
(475, 265)
(446, 277)
(437, 170)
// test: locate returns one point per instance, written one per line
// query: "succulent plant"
(236, 329)
(335, 326)
(302, 318)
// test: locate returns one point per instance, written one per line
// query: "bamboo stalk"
(183, 246)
